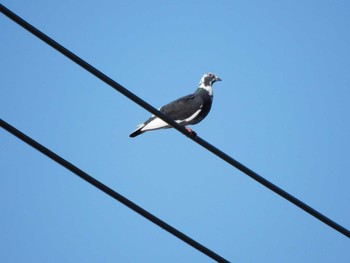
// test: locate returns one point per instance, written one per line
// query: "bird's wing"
(182, 109)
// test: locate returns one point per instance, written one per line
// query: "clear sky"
(282, 109)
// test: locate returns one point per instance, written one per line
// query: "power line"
(104, 188)
(171, 122)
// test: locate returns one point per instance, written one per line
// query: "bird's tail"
(137, 132)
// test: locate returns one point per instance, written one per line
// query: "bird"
(187, 110)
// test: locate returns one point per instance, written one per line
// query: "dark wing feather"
(182, 108)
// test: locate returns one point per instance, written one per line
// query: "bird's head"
(208, 79)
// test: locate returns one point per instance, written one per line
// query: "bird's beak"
(217, 79)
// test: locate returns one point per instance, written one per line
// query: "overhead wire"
(171, 122)
(112, 193)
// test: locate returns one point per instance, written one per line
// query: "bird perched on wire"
(190, 109)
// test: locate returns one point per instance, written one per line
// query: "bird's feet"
(191, 133)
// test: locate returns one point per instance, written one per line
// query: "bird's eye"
(211, 75)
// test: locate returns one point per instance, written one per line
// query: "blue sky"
(282, 109)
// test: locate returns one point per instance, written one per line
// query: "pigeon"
(190, 109)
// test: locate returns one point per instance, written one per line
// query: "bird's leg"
(191, 132)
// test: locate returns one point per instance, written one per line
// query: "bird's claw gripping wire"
(191, 133)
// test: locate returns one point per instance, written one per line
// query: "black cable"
(104, 188)
(178, 127)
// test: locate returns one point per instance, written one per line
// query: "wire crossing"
(171, 122)
(104, 188)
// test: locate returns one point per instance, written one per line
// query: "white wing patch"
(158, 123)
(155, 124)
(189, 119)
